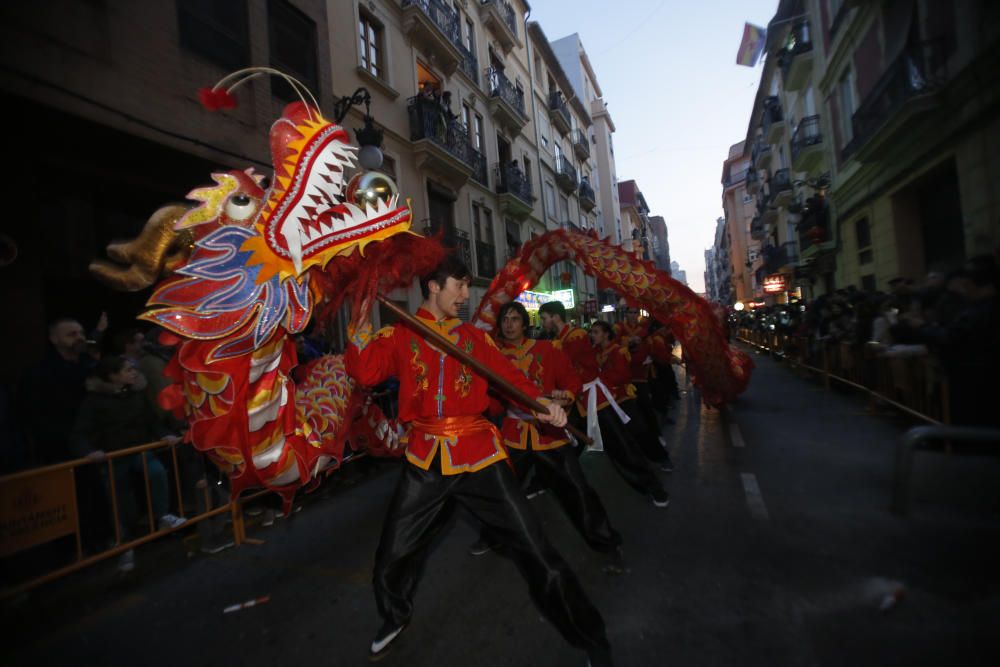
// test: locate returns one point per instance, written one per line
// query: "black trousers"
(420, 508)
(560, 467)
(625, 453)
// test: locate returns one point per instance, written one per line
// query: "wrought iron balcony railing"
(918, 71)
(507, 11)
(511, 180)
(501, 87)
(557, 104)
(443, 16)
(807, 133)
(429, 119)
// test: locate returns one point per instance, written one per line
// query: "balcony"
(433, 27)
(796, 59)
(452, 238)
(441, 144)
(588, 200)
(758, 230)
(565, 175)
(780, 184)
(760, 154)
(773, 121)
(500, 18)
(734, 178)
(581, 145)
(506, 101)
(514, 188)
(559, 112)
(807, 145)
(898, 105)
(814, 228)
(753, 181)
(765, 209)
(469, 65)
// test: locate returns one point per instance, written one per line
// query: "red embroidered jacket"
(575, 344)
(661, 346)
(546, 366)
(640, 353)
(612, 366)
(441, 398)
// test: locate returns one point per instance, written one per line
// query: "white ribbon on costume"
(593, 429)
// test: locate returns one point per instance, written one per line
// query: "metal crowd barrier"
(921, 437)
(915, 385)
(39, 505)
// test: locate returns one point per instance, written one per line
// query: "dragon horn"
(146, 256)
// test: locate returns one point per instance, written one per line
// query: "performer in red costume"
(644, 424)
(532, 443)
(452, 453)
(604, 368)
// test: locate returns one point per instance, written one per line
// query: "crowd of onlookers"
(952, 319)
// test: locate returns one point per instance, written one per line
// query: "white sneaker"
(168, 521)
(268, 519)
(126, 562)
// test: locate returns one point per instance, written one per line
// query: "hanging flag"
(751, 46)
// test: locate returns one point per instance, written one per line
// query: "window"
(477, 138)
(470, 36)
(466, 116)
(845, 90)
(293, 48)
(370, 45)
(389, 167)
(216, 31)
(863, 234)
(482, 219)
(563, 208)
(543, 131)
(557, 148)
(550, 199)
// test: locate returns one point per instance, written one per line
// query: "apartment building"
(740, 208)
(565, 163)
(595, 147)
(870, 141)
(659, 242)
(634, 219)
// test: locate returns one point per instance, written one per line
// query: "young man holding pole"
(452, 455)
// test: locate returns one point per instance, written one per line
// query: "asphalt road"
(778, 549)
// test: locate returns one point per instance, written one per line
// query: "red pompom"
(214, 100)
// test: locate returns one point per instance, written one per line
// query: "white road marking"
(755, 501)
(735, 436)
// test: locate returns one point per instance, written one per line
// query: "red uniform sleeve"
(371, 359)
(564, 374)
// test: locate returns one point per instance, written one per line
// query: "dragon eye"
(240, 207)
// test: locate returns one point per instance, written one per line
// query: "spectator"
(116, 414)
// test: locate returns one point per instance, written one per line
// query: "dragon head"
(308, 216)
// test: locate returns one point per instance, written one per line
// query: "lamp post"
(369, 137)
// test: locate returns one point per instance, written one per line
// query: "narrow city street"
(777, 549)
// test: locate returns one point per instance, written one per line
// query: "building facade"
(484, 130)
(869, 142)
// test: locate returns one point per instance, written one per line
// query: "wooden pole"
(440, 341)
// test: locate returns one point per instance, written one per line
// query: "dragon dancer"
(454, 456)
(531, 443)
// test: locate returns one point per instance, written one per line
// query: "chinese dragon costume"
(255, 260)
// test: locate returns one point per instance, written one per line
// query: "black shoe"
(537, 491)
(661, 498)
(480, 547)
(599, 658)
(384, 639)
(666, 465)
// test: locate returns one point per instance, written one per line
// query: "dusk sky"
(677, 97)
